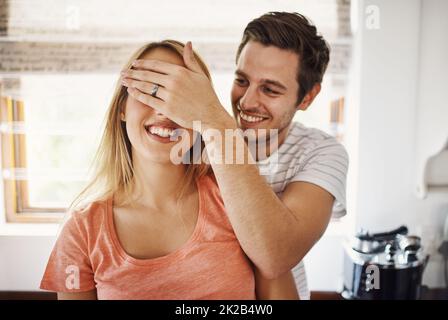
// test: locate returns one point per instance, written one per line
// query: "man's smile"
(251, 118)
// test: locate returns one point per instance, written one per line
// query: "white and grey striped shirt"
(308, 155)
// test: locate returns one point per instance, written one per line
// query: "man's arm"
(281, 288)
(275, 233)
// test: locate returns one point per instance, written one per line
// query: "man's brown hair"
(292, 31)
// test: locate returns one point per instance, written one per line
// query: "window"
(60, 61)
(48, 142)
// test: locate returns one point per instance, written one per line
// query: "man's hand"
(184, 95)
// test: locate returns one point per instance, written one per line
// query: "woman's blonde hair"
(113, 167)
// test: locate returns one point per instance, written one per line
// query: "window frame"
(13, 156)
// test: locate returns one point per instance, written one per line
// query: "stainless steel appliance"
(384, 266)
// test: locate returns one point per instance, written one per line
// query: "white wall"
(394, 87)
(401, 82)
(22, 263)
(432, 117)
(432, 126)
(387, 115)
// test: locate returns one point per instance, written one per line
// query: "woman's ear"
(122, 116)
(309, 97)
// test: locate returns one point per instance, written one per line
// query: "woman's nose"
(161, 115)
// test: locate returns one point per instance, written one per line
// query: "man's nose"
(250, 99)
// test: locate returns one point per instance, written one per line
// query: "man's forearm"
(264, 226)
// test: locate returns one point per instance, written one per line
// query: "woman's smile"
(164, 132)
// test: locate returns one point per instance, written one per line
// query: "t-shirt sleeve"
(326, 165)
(69, 268)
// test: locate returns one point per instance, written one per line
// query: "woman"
(145, 227)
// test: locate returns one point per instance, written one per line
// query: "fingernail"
(134, 63)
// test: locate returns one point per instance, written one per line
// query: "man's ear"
(309, 97)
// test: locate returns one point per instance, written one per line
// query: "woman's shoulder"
(87, 217)
(90, 210)
(212, 205)
(209, 183)
(208, 179)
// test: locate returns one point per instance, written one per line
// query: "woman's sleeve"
(69, 268)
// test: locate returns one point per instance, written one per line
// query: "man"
(278, 216)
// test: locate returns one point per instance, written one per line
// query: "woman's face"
(149, 131)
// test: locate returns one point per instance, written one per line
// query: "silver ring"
(154, 90)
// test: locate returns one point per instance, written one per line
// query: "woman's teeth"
(250, 118)
(162, 132)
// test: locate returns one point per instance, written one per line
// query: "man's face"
(265, 90)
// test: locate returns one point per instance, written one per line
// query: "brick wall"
(61, 36)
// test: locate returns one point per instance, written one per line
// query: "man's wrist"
(220, 122)
(225, 143)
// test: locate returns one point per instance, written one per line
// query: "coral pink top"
(210, 265)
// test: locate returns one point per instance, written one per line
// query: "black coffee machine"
(384, 266)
